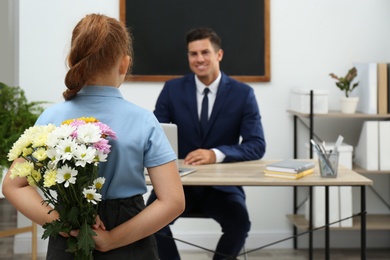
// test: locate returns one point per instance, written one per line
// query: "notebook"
(290, 165)
(170, 131)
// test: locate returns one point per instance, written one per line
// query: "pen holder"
(329, 164)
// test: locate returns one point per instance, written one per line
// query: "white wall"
(8, 48)
(309, 39)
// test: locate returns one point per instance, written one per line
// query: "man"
(230, 111)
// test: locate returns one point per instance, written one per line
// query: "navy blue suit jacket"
(235, 113)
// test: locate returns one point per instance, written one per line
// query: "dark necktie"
(204, 113)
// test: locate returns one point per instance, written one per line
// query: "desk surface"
(251, 173)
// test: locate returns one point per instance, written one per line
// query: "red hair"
(98, 41)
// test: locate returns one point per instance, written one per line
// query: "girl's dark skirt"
(112, 213)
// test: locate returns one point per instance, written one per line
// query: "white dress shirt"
(213, 87)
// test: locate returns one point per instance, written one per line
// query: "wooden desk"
(251, 173)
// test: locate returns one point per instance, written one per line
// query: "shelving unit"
(374, 221)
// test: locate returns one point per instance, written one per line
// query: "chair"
(19, 230)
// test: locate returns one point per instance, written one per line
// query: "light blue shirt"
(140, 143)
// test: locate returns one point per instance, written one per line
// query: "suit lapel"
(190, 92)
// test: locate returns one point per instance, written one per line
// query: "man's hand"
(200, 156)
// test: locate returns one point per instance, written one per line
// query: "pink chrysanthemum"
(106, 130)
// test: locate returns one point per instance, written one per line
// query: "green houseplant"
(16, 115)
(346, 84)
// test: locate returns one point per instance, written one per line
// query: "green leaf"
(72, 245)
(85, 241)
(53, 229)
(73, 217)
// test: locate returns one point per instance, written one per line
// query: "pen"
(338, 143)
(322, 156)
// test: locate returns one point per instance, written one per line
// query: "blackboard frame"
(264, 76)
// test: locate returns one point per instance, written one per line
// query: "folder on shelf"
(367, 91)
(384, 145)
(318, 197)
(382, 89)
(367, 149)
(346, 211)
(388, 88)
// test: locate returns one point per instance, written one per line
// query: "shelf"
(374, 222)
(364, 171)
(338, 114)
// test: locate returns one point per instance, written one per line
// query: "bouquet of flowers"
(63, 163)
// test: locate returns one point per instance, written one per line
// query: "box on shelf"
(300, 100)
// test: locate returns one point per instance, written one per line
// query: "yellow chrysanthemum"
(40, 135)
(27, 151)
(14, 153)
(40, 154)
(17, 148)
(49, 178)
(34, 178)
(85, 119)
(22, 169)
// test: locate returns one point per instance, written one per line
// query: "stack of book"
(289, 169)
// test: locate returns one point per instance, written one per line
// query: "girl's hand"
(98, 225)
(102, 240)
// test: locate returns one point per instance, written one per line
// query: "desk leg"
(363, 222)
(327, 240)
(311, 222)
(34, 241)
(295, 210)
(295, 203)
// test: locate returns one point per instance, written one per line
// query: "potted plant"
(346, 84)
(16, 115)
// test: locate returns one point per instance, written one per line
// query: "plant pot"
(349, 104)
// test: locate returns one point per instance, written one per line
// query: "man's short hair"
(202, 33)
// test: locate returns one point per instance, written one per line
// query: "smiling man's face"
(204, 60)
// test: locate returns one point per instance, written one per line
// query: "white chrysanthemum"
(84, 155)
(88, 133)
(66, 174)
(60, 133)
(65, 149)
(91, 195)
(52, 154)
(98, 183)
(100, 156)
(40, 154)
